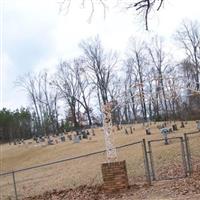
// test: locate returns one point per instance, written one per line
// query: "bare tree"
(66, 83)
(158, 60)
(44, 101)
(188, 35)
(99, 66)
(144, 7)
(85, 87)
(137, 60)
(28, 83)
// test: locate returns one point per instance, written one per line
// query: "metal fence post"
(183, 156)
(151, 161)
(146, 162)
(15, 187)
(188, 154)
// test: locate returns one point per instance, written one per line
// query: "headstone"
(126, 132)
(50, 142)
(88, 133)
(93, 133)
(84, 134)
(131, 130)
(170, 130)
(76, 139)
(42, 139)
(148, 131)
(165, 132)
(62, 138)
(174, 127)
(198, 125)
(182, 124)
(80, 137)
(69, 137)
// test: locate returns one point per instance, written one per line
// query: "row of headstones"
(164, 128)
(127, 130)
(81, 135)
(75, 137)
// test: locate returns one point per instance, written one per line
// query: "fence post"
(183, 156)
(146, 162)
(188, 154)
(151, 161)
(14, 184)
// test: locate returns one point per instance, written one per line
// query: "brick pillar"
(114, 176)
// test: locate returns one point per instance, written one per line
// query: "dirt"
(179, 189)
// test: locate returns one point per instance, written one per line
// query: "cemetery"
(100, 111)
(88, 170)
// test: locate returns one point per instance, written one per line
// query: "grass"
(86, 170)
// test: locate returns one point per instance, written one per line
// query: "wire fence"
(192, 141)
(69, 172)
(146, 161)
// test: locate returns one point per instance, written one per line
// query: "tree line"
(147, 84)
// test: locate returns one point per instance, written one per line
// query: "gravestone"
(42, 139)
(93, 133)
(76, 139)
(165, 132)
(62, 138)
(80, 137)
(84, 134)
(174, 127)
(131, 130)
(148, 131)
(69, 137)
(50, 142)
(126, 132)
(182, 125)
(198, 125)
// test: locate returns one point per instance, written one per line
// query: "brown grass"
(85, 170)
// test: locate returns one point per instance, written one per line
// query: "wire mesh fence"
(7, 188)
(135, 162)
(71, 172)
(167, 161)
(192, 141)
(146, 161)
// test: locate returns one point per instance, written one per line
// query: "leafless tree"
(99, 65)
(159, 61)
(66, 83)
(144, 7)
(137, 60)
(188, 35)
(43, 100)
(85, 86)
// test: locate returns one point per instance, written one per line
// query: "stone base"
(114, 176)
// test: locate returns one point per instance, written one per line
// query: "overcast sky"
(35, 36)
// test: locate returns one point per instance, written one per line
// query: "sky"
(35, 36)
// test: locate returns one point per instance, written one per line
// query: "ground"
(87, 171)
(180, 189)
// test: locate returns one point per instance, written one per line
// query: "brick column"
(114, 176)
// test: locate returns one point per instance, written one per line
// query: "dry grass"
(86, 170)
